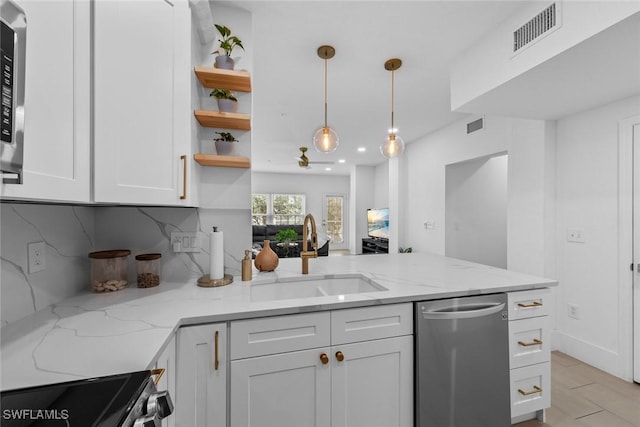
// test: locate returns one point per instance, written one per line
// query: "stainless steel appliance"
(13, 43)
(462, 362)
(126, 400)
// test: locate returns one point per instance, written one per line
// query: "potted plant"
(285, 237)
(224, 143)
(227, 102)
(227, 44)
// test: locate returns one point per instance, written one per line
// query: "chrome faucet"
(306, 254)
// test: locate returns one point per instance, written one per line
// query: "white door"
(201, 392)
(141, 102)
(373, 383)
(288, 389)
(636, 252)
(333, 220)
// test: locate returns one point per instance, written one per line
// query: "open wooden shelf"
(215, 119)
(224, 79)
(224, 161)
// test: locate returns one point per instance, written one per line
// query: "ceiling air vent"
(475, 125)
(540, 24)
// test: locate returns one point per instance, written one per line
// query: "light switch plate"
(189, 241)
(575, 235)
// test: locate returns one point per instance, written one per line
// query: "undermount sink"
(314, 288)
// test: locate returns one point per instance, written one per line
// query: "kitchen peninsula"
(96, 334)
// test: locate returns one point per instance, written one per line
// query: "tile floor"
(582, 395)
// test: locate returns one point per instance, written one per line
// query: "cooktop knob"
(160, 404)
(147, 421)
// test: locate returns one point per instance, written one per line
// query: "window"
(259, 209)
(285, 209)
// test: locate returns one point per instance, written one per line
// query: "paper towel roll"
(216, 254)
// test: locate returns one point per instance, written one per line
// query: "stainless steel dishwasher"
(462, 362)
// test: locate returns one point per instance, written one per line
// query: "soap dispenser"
(246, 266)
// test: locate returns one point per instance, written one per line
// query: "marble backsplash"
(71, 232)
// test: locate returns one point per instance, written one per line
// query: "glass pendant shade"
(325, 140)
(393, 146)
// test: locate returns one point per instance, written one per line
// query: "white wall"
(314, 187)
(490, 62)
(381, 183)
(362, 192)
(476, 211)
(589, 272)
(424, 165)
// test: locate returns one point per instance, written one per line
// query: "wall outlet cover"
(37, 256)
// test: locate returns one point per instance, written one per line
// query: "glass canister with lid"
(109, 270)
(148, 270)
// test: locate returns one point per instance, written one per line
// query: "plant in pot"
(285, 237)
(227, 102)
(227, 44)
(224, 143)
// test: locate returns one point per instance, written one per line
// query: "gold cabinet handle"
(529, 344)
(159, 372)
(184, 177)
(532, 305)
(535, 390)
(324, 358)
(339, 356)
(216, 361)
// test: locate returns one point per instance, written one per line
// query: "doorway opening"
(476, 210)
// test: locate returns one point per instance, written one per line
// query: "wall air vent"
(539, 25)
(475, 125)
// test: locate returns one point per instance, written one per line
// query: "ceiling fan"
(304, 162)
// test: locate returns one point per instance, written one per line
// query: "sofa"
(269, 232)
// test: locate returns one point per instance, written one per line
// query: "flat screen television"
(378, 223)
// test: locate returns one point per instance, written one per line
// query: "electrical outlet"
(575, 235)
(573, 311)
(37, 256)
(185, 241)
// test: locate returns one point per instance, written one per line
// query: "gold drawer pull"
(159, 372)
(183, 196)
(529, 344)
(216, 359)
(532, 305)
(324, 358)
(339, 356)
(535, 390)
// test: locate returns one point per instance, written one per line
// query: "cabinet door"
(373, 384)
(57, 133)
(201, 396)
(167, 361)
(287, 389)
(141, 101)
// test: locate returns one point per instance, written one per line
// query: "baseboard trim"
(594, 355)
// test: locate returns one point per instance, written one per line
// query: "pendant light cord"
(326, 61)
(392, 99)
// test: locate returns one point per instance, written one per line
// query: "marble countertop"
(92, 334)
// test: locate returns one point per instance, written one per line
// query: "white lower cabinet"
(201, 395)
(329, 382)
(529, 353)
(167, 382)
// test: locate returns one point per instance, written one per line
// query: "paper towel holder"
(207, 282)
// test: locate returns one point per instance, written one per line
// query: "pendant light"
(393, 146)
(325, 140)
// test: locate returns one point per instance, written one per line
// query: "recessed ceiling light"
(327, 169)
(341, 161)
(362, 149)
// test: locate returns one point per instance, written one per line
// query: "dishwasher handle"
(462, 311)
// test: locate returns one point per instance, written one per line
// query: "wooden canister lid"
(148, 257)
(115, 253)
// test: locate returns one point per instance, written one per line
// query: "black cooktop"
(102, 401)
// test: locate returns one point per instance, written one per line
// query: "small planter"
(224, 62)
(224, 148)
(227, 106)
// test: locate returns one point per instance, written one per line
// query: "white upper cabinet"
(57, 135)
(142, 111)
